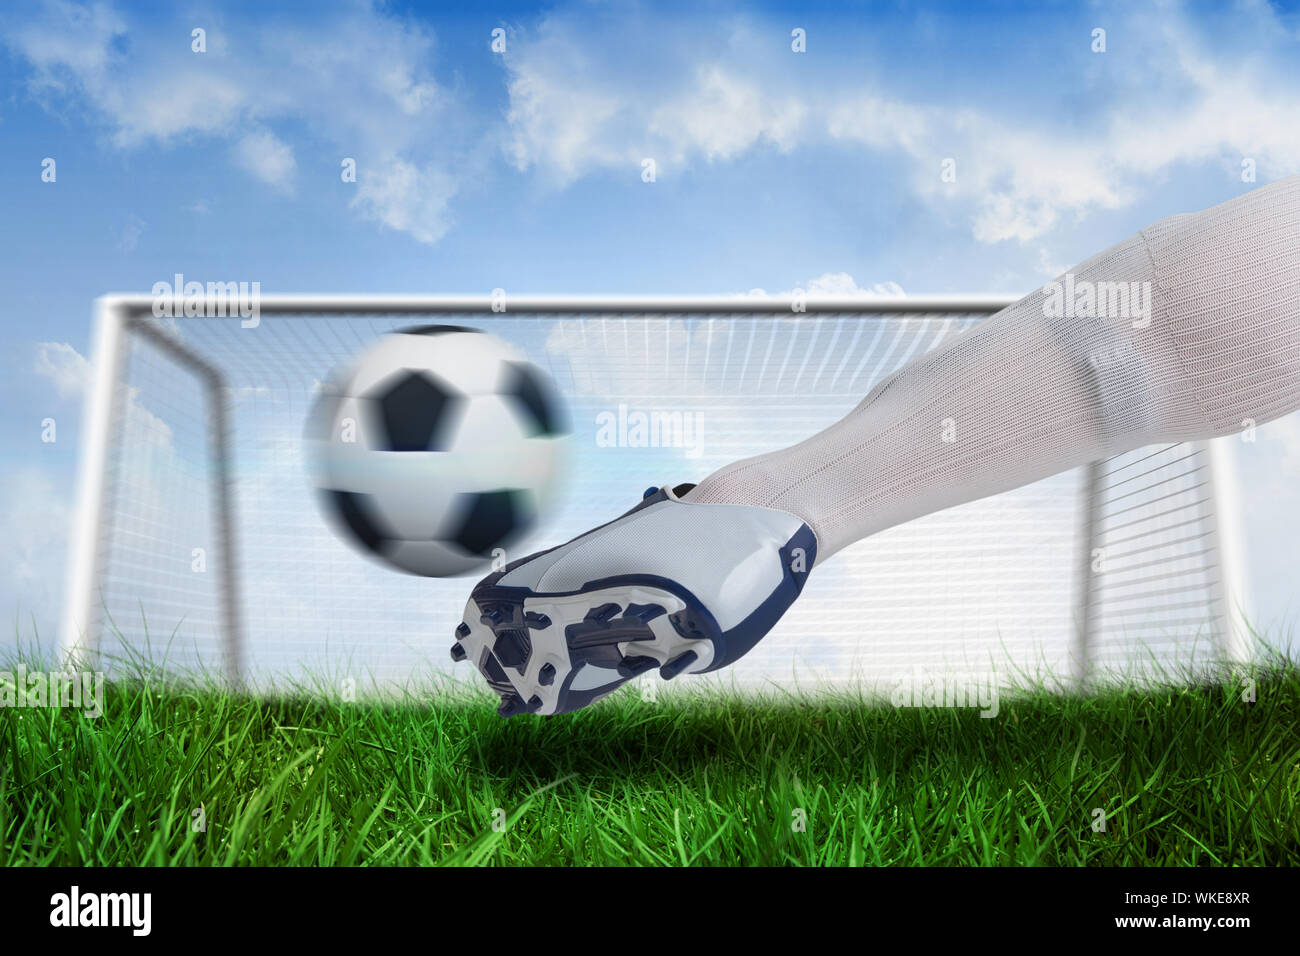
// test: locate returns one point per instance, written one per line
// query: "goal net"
(200, 545)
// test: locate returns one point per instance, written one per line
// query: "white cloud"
(408, 198)
(69, 33)
(841, 283)
(837, 284)
(561, 126)
(356, 76)
(583, 100)
(1016, 181)
(1048, 265)
(568, 127)
(63, 366)
(195, 100)
(1020, 179)
(71, 374)
(35, 514)
(131, 233)
(267, 157)
(724, 115)
(579, 103)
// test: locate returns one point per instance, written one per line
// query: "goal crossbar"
(133, 305)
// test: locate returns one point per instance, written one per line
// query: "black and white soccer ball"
(437, 449)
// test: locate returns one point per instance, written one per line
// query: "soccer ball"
(437, 448)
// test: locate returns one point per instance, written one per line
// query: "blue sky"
(522, 169)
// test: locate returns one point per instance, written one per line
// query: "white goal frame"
(118, 317)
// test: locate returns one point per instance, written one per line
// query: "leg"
(1181, 332)
(1033, 391)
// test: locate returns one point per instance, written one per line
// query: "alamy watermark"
(1084, 299)
(79, 690)
(922, 688)
(133, 911)
(627, 427)
(177, 299)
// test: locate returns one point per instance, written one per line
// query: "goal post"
(80, 630)
(117, 319)
(190, 436)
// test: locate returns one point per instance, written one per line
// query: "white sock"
(1031, 392)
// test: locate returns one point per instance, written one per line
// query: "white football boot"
(671, 585)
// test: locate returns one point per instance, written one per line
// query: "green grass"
(1189, 776)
